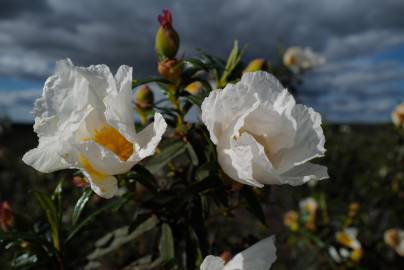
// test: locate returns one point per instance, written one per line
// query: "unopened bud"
(194, 88)
(170, 69)
(226, 256)
(6, 216)
(80, 182)
(144, 98)
(256, 65)
(167, 39)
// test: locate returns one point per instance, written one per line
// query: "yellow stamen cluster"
(111, 139)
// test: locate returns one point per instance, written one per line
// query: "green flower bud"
(256, 64)
(170, 69)
(167, 39)
(144, 98)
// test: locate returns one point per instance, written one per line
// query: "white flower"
(300, 59)
(308, 205)
(395, 239)
(262, 136)
(260, 256)
(348, 238)
(397, 116)
(84, 120)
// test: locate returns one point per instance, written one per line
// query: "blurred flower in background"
(397, 116)
(300, 59)
(394, 238)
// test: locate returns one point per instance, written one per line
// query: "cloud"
(348, 33)
(17, 105)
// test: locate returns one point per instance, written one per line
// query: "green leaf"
(166, 245)
(139, 217)
(136, 83)
(119, 237)
(192, 154)
(144, 177)
(91, 217)
(24, 261)
(47, 205)
(167, 154)
(81, 203)
(232, 62)
(253, 204)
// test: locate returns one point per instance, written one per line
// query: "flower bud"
(167, 39)
(194, 88)
(226, 256)
(256, 65)
(170, 69)
(6, 216)
(80, 182)
(144, 98)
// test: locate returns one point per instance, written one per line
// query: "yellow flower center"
(344, 239)
(111, 139)
(95, 175)
(356, 254)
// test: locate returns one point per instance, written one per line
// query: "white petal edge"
(260, 256)
(148, 139)
(46, 157)
(212, 263)
(304, 173)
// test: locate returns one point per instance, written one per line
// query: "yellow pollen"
(111, 139)
(90, 169)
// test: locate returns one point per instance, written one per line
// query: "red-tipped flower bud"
(167, 39)
(6, 216)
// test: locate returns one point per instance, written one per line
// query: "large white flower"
(84, 120)
(262, 136)
(260, 256)
(299, 59)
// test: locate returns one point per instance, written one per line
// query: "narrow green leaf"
(139, 217)
(167, 154)
(91, 217)
(166, 245)
(136, 83)
(81, 203)
(47, 205)
(192, 154)
(119, 237)
(144, 177)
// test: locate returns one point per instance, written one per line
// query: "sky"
(362, 40)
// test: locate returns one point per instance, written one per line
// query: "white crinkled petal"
(260, 256)
(118, 112)
(46, 157)
(148, 139)
(304, 173)
(106, 187)
(309, 140)
(212, 263)
(103, 160)
(262, 169)
(223, 106)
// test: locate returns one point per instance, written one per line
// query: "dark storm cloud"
(116, 32)
(34, 33)
(15, 8)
